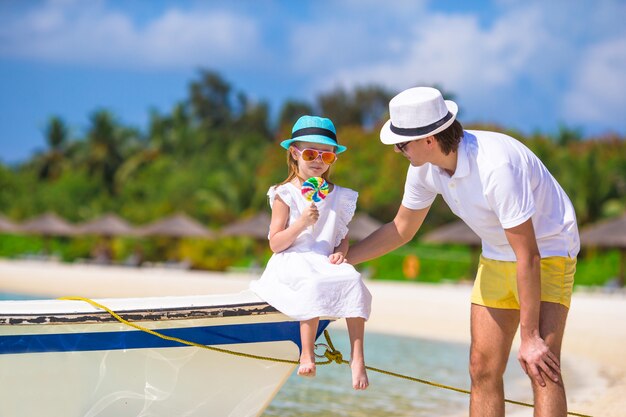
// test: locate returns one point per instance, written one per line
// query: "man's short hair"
(450, 138)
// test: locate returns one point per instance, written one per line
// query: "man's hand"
(537, 359)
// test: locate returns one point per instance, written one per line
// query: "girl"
(308, 277)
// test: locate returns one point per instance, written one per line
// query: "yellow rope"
(331, 354)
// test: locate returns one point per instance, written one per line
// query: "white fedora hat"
(417, 113)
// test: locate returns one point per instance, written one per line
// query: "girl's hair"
(292, 166)
(450, 138)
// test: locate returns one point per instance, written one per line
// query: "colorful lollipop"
(315, 189)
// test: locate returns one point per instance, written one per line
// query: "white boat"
(68, 358)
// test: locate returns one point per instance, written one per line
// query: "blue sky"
(531, 65)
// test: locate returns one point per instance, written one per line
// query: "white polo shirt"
(499, 184)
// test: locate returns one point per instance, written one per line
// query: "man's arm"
(534, 355)
(389, 236)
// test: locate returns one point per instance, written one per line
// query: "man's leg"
(493, 330)
(550, 400)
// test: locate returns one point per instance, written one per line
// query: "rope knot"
(334, 356)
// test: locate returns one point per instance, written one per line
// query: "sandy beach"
(594, 365)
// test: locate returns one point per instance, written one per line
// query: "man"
(529, 241)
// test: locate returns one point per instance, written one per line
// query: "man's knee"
(484, 368)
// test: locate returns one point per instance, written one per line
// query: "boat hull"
(66, 358)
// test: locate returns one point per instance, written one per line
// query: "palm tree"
(291, 111)
(364, 106)
(254, 118)
(339, 106)
(104, 140)
(211, 100)
(50, 164)
(373, 101)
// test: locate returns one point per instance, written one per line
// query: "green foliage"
(592, 173)
(597, 267)
(23, 246)
(216, 255)
(437, 263)
(12, 246)
(9, 188)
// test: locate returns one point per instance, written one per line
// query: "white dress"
(301, 282)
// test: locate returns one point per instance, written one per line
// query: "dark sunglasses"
(402, 145)
(309, 155)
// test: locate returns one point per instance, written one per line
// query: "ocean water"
(5, 296)
(330, 393)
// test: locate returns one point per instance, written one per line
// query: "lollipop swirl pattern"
(315, 189)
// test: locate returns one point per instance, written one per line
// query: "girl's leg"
(356, 331)
(308, 330)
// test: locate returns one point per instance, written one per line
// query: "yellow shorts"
(496, 282)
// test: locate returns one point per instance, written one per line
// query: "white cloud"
(455, 51)
(81, 32)
(599, 83)
(356, 33)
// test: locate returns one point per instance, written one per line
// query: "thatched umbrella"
(456, 232)
(108, 225)
(47, 225)
(608, 234)
(362, 225)
(178, 226)
(256, 226)
(7, 226)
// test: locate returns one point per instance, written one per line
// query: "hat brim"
(389, 138)
(314, 139)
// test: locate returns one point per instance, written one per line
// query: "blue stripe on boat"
(135, 339)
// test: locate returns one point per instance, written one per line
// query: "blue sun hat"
(314, 129)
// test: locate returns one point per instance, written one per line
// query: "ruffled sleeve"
(281, 191)
(347, 206)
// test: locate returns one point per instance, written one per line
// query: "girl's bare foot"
(307, 369)
(308, 329)
(359, 375)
